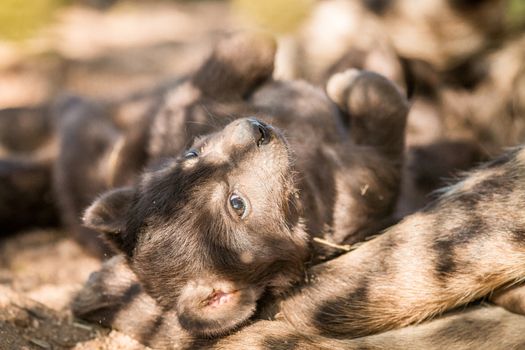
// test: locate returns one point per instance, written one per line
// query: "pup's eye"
(238, 204)
(191, 154)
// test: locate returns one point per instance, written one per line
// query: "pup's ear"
(108, 215)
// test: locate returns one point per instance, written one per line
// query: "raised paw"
(375, 108)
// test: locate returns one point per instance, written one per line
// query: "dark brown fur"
(27, 152)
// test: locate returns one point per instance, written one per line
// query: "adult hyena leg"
(112, 297)
(375, 109)
(487, 328)
(461, 247)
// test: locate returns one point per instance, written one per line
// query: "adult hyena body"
(461, 247)
(458, 249)
(464, 246)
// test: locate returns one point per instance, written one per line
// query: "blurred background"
(460, 62)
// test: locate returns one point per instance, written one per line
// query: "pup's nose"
(261, 131)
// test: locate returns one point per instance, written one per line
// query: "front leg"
(113, 297)
(482, 328)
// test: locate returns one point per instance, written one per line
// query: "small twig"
(82, 326)
(371, 237)
(345, 247)
(39, 343)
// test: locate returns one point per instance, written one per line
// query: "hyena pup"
(241, 174)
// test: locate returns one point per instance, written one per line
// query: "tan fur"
(458, 249)
(483, 328)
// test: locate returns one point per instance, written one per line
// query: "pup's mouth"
(219, 297)
(214, 308)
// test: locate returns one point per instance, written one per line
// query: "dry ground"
(40, 271)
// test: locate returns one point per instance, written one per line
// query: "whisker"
(213, 120)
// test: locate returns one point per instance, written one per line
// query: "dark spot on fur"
(501, 186)
(379, 7)
(445, 264)
(518, 235)
(445, 247)
(468, 330)
(289, 342)
(151, 331)
(326, 321)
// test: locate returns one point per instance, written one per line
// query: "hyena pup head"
(209, 232)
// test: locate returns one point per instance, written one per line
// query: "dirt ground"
(40, 271)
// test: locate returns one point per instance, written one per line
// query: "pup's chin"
(213, 309)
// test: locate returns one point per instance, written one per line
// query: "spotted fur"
(464, 246)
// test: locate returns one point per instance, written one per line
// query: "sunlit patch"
(217, 194)
(216, 156)
(469, 183)
(521, 156)
(189, 163)
(247, 257)
(183, 95)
